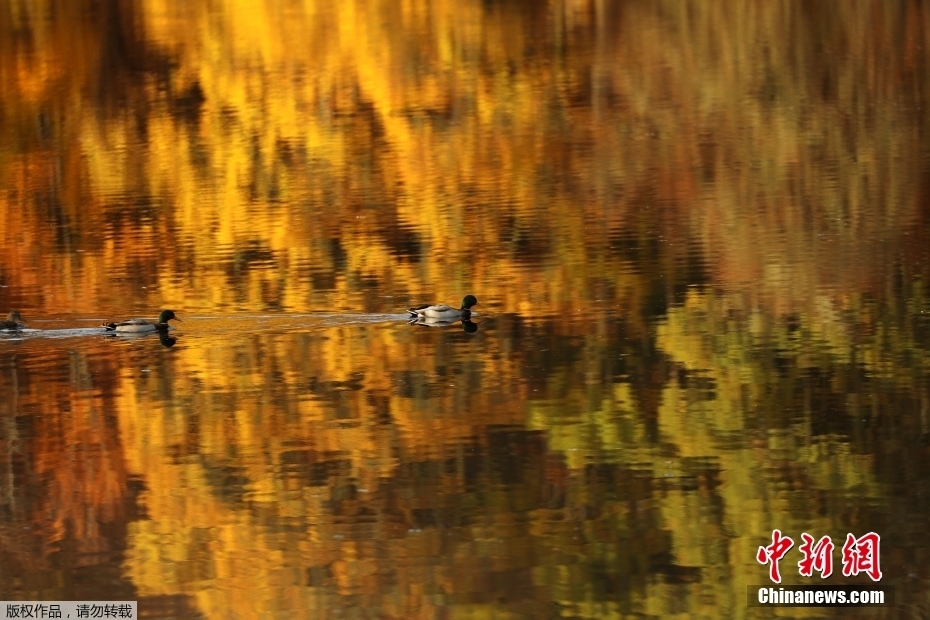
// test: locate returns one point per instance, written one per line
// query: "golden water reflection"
(699, 238)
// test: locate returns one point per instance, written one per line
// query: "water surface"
(698, 235)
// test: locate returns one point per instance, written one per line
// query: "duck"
(14, 320)
(444, 312)
(141, 326)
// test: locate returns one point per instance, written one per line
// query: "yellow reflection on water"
(268, 157)
(697, 232)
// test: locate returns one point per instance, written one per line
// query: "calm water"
(699, 234)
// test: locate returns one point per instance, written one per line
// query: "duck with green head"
(14, 320)
(142, 326)
(444, 312)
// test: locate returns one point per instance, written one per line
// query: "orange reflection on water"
(698, 234)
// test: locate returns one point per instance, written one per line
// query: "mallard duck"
(14, 320)
(444, 312)
(140, 326)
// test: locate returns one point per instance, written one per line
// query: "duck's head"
(469, 301)
(167, 315)
(16, 317)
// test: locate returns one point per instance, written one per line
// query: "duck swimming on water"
(444, 312)
(14, 320)
(141, 326)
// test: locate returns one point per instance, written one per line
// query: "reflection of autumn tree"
(806, 401)
(489, 528)
(719, 167)
(65, 494)
(308, 159)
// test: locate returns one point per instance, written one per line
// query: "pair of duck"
(14, 320)
(437, 312)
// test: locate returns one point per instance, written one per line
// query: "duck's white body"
(137, 326)
(142, 326)
(439, 311)
(444, 312)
